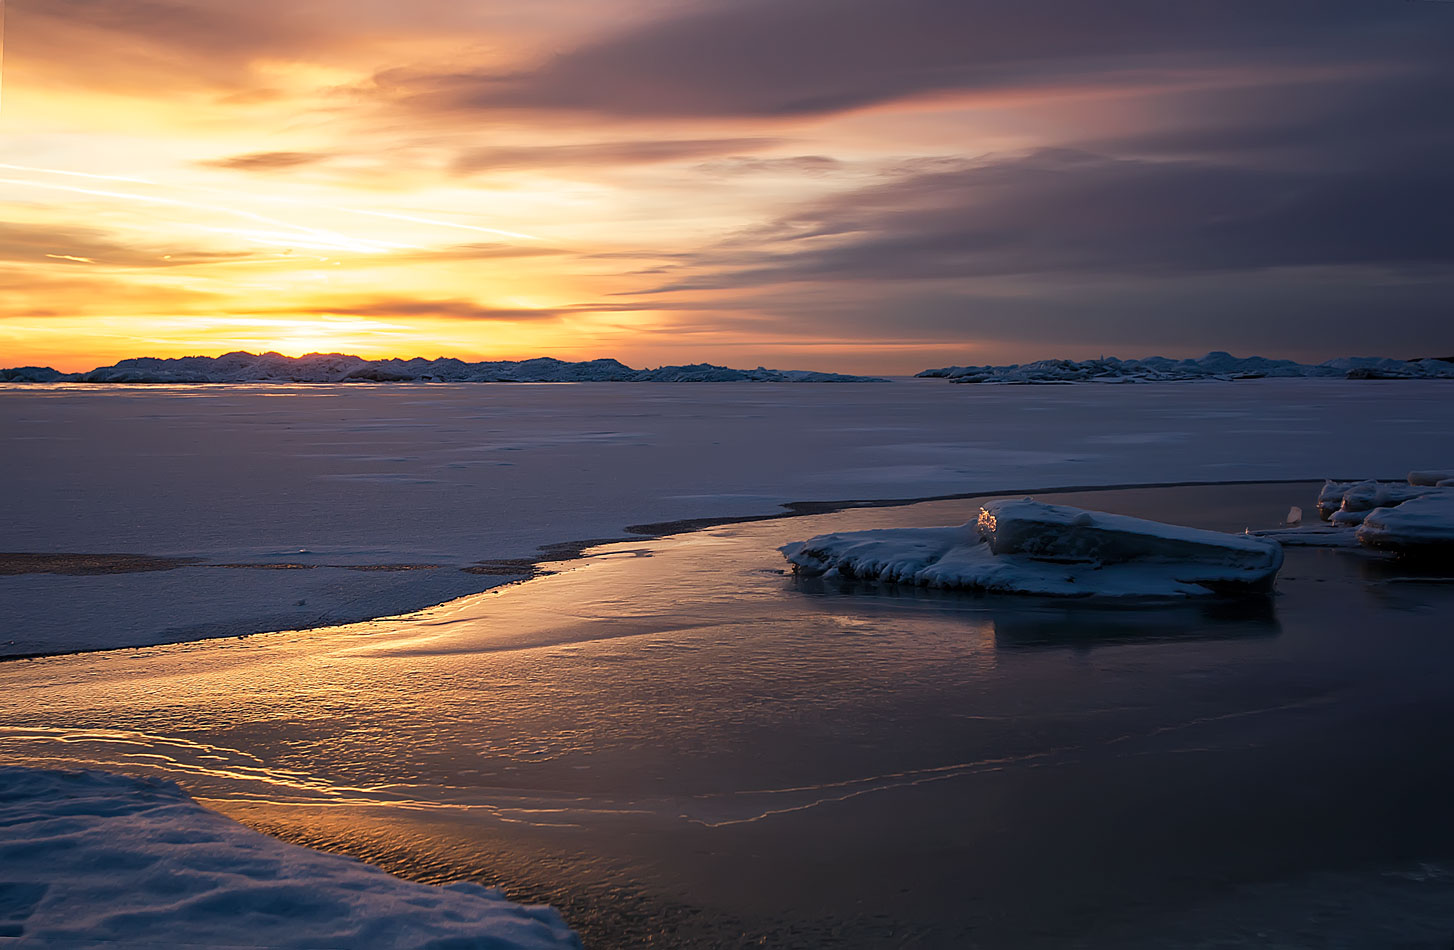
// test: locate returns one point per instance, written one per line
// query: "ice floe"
(96, 859)
(1029, 547)
(1216, 365)
(1414, 517)
(243, 367)
(1423, 525)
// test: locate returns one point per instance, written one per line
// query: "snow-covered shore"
(97, 859)
(325, 504)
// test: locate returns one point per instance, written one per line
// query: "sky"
(849, 185)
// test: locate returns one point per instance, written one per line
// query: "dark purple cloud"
(770, 58)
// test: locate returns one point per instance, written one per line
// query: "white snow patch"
(96, 859)
(1028, 547)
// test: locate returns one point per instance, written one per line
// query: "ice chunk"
(1366, 496)
(1423, 525)
(1330, 499)
(1062, 533)
(1034, 548)
(1430, 478)
(1294, 516)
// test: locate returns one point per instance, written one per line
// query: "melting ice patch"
(1028, 547)
(92, 858)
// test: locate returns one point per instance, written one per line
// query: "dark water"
(680, 745)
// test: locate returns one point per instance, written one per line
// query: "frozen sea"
(679, 744)
(281, 507)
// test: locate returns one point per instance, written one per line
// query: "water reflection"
(1085, 627)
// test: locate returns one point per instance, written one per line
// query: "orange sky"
(191, 177)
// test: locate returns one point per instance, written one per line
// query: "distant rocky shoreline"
(342, 368)
(1216, 365)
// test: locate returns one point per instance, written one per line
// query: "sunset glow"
(601, 179)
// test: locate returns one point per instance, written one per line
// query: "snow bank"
(92, 858)
(243, 367)
(1217, 365)
(1028, 547)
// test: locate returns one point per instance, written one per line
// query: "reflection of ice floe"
(1028, 547)
(1414, 517)
(1081, 627)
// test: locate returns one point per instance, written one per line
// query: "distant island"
(242, 367)
(1215, 365)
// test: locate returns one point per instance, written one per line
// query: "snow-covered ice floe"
(1414, 517)
(97, 859)
(1029, 547)
(1423, 525)
(1216, 365)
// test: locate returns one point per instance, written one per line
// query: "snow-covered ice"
(96, 859)
(1413, 517)
(309, 484)
(1442, 479)
(1354, 500)
(1423, 525)
(1215, 365)
(1029, 547)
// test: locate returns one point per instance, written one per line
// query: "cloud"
(766, 58)
(453, 308)
(592, 154)
(266, 161)
(76, 246)
(811, 165)
(1062, 210)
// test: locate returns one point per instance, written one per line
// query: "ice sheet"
(326, 477)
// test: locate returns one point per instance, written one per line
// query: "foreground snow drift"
(1027, 547)
(91, 858)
